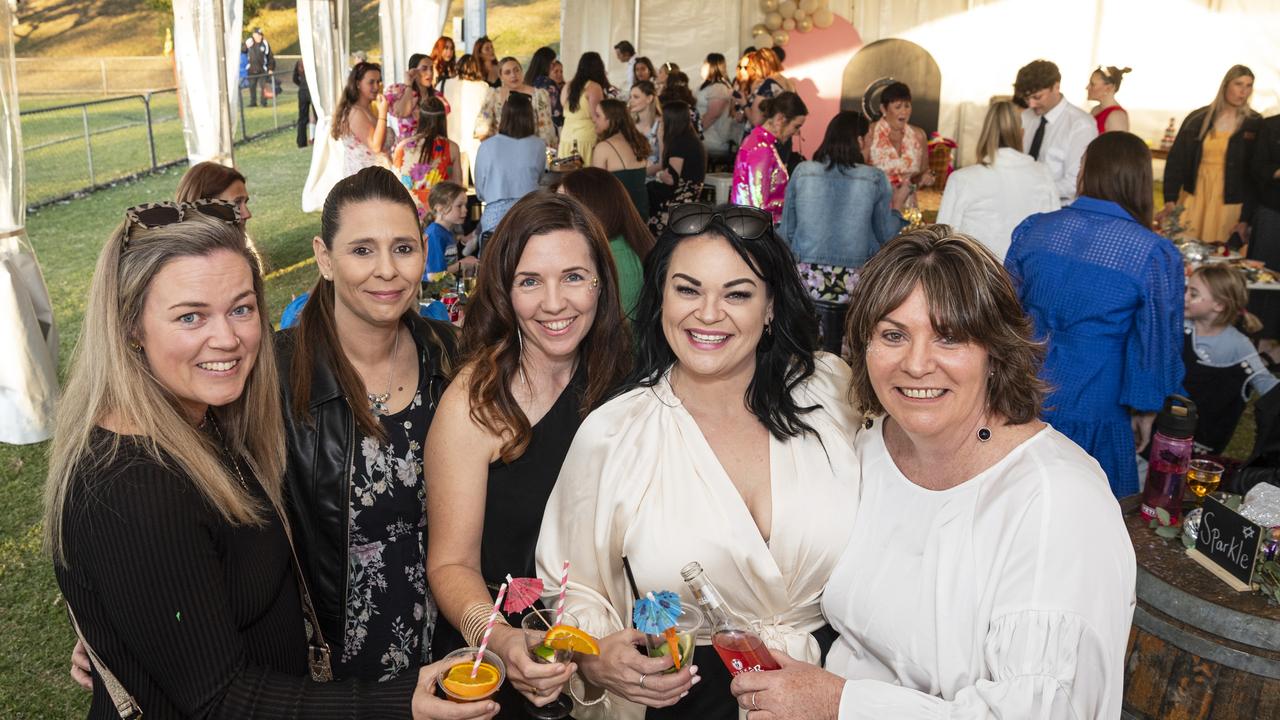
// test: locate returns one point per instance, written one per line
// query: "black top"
(1183, 163)
(194, 616)
(690, 150)
(1266, 160)
(518, 492)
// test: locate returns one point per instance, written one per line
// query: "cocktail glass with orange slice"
(458, 685)
(535, 627)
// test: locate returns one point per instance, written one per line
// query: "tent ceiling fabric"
(210, 102)
(29, 373)
(407, 27)
(323, 37)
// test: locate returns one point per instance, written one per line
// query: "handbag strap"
(318, 654)
(126, 706)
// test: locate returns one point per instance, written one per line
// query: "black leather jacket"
(319, 464)
(1184, 162)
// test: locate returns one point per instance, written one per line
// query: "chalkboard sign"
(1228, 541)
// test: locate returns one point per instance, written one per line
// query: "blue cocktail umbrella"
(656, 614)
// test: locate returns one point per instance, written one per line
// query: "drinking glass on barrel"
(1203, 478)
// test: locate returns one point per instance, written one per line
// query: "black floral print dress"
(390, 612)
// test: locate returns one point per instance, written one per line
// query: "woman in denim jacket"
(839, 211)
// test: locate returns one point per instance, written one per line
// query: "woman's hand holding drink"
(539, 682)
(426, 706)
(624, 671)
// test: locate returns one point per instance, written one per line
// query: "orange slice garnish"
(460, 683)
(564, 637)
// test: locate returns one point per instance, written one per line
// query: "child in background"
(448, 202)
(1222, 364)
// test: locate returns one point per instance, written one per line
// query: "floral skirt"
(831, 283)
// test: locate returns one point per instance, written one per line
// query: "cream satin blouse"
(641, 480)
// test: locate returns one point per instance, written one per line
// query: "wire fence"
(72, 148)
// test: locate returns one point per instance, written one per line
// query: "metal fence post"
(151, 135)
(84, 114)
(241, 95)
(275, 100)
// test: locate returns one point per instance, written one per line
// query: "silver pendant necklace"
(378, 402)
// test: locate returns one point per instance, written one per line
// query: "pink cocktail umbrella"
(522, 594)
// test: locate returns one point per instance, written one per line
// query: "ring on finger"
(642, 677)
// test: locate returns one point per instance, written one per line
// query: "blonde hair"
(109, 379)
(1001, 128)
(1220, 100)
(1227, 286)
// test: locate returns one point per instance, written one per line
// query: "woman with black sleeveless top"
(545, 342)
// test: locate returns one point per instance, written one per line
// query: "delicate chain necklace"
(378, 403)
(226, 451)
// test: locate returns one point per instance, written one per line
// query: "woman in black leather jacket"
(362, 373)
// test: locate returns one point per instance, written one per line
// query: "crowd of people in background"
(632, 356)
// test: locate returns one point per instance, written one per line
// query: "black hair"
(590, 67)
(539, 64)
(785, 356)
(677, 122)
(782, 54)
(840, 143)
(895, 92)
(626, 47)
(416, 58)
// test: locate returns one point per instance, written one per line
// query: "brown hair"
(763, 63)
(517, 116)
(491, 345)
(971, 299)
(1112, 75)
(604, 195)
(316, 335)
(469, 68)
(206, 180)
(615, 111)
(1227, 286)
(432, 124)
(1034, 77)
(350, 96)
(1117, 167)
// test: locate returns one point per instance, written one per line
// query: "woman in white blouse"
(988, 200)
(989, 572)
(733, 448)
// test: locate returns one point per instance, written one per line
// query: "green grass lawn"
(67, 237)
(58, 162)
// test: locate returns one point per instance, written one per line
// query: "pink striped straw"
(564, 584)
(488, 629)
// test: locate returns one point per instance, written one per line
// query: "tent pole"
(219, 25)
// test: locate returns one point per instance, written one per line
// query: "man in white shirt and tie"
(1054, 131)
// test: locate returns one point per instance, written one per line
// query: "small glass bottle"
(739, 647)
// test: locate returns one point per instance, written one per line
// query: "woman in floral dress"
(512, 75)
(428, 157)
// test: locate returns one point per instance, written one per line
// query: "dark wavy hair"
(590, 67)
(971, 298)
(490, 343)
(539, 64)
(784, 356)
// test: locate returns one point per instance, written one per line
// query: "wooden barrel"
(1198, 649)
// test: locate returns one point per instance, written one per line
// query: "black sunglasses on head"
(158, 215)
(747, 222)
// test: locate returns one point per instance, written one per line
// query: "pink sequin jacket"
(759, 177)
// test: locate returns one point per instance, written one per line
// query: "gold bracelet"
(475, 620)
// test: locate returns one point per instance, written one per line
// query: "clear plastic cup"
(688, 623)
(465, 657)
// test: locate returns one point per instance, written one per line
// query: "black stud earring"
(984, 434)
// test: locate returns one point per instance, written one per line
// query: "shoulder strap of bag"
(318, 654)
(124, 702)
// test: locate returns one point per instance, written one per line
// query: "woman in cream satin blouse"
(732, 448)
(989, 572)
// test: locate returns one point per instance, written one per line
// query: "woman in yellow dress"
(579, 99)
(1207, 171)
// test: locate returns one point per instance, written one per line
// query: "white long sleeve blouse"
(988, 201)
(641, 480)
(1009, 596)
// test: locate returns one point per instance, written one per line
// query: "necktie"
(1038, 138)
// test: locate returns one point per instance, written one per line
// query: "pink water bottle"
(1170, 455)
